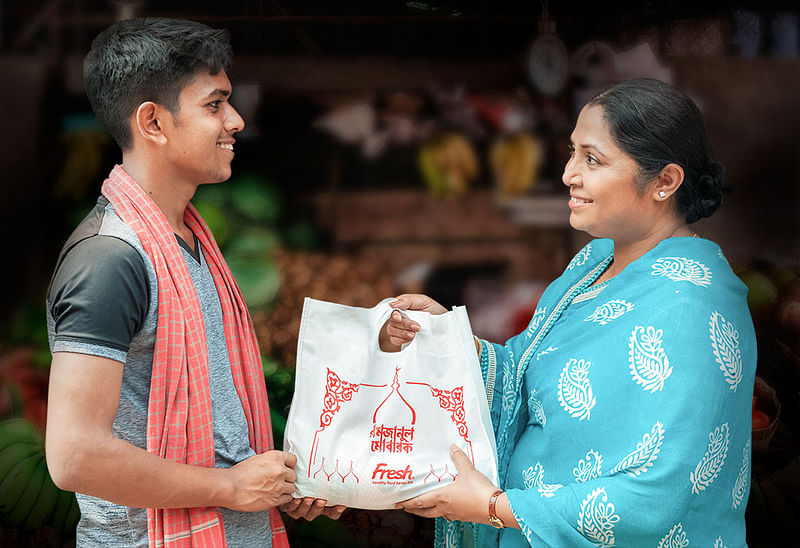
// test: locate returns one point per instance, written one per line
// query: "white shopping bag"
(372, 428)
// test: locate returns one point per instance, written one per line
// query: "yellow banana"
(464, 156)
(45, 502)
(512, 168)
(496, 160)
(526, 153)
(431, 172)
(17, 514)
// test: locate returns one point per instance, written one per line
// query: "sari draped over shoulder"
(622, 413)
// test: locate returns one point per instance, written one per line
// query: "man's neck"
(170, 194)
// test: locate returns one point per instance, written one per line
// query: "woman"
(622, 413)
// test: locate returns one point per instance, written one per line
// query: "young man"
(158, 414)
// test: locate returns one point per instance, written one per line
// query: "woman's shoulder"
(689, 276)
(696, 262)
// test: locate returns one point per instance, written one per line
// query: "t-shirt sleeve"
(99, 298)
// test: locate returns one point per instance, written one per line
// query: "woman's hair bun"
(700, 196)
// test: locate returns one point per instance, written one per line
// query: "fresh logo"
(382, 473)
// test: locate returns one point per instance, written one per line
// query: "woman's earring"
(662, 194)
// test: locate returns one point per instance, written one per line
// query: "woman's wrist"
(503, 511)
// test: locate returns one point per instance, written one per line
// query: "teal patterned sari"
(622, 413)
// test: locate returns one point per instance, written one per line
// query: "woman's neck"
(627, 252)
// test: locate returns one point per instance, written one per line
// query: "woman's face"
(604, 200)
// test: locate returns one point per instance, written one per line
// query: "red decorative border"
(336, 392)
(453, 401)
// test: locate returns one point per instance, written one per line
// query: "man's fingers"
(290, 460)
(287, 488)
(334, 512)
(290, 507)
(284, 499)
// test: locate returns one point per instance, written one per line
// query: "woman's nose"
(570, 176)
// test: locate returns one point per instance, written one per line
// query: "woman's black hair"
(658, 124)
(148, 59)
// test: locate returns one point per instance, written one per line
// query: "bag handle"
(381, 312)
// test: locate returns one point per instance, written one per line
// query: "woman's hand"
(309, 508)
(399, 329)
(466, 499)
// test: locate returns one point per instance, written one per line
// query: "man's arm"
(84, 456)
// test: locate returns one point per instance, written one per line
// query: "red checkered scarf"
(180, 401)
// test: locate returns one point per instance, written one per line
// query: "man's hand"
(399, 329)
(263, 481)
(309, 508)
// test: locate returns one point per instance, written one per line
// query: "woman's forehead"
(592, 128)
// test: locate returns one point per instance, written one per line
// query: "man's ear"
(668, 182)
(148, 122)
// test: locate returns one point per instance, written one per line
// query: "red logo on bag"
(384, 475)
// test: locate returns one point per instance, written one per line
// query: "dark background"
(354, 227)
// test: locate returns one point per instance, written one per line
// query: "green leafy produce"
(257, 278)
(29, 325)
(256, 198)
(278, 426)
(215, 218)
(301, 235)
(253, 242)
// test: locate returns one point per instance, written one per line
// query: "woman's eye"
(591, 160)
(571, 150)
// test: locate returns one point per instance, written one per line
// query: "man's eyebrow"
(217, 93)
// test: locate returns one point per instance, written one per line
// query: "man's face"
(201, 136)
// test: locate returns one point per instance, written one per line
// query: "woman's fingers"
(460, 459)
(424, 512)
(400, 321)
(401, 329)
(412, 301)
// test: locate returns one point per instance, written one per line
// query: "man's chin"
(221, 178)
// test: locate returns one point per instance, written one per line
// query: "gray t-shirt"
(102, 301)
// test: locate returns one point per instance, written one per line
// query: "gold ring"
(446, 519)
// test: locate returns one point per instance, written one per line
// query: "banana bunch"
(448, 164)
(28, 497)
(515, 161)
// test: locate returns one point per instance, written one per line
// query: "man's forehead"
(204, 84)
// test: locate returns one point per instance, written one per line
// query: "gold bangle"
(494, 520)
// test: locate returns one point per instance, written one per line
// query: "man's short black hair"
(148, 59)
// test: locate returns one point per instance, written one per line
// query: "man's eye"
(214, 104)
